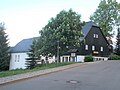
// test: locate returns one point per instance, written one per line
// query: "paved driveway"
(93, 76)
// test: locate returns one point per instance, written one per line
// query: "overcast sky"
(24, 18)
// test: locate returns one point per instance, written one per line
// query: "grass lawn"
(20, 71)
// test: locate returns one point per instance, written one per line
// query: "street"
(104, 75)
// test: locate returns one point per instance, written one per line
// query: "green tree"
(64, 29)
(118, 43)
(107, 16)
(4, 49)
(32, 60)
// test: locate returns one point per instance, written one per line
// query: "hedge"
(88, 58)
(114, 57)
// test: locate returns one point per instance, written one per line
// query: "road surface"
(93, 76)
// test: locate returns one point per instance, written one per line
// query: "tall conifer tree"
(4, 49)
(32, 59)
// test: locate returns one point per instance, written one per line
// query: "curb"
(20, 77)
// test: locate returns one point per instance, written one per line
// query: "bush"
(88, 58)
(114, 57)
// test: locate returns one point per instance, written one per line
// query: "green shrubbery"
(88, 58)
(114, 57)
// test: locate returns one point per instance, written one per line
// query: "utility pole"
(58, 46)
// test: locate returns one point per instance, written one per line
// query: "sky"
(25, 18)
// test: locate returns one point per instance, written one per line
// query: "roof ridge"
(29, 38)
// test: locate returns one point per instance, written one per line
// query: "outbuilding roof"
(22, 46)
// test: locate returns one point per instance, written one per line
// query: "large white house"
(19, 54)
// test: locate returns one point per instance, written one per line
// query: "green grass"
(43, 67)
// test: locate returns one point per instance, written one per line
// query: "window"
(18, 58)
(86, 47)
(95, 35)
(72, 54)
(101, 48)
(93, 47)
(15, 58)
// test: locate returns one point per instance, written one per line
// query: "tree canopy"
(4, 49)
(107, 16)
(64, 29)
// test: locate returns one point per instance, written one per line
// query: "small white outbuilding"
(19, 54)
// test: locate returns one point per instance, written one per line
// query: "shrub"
(114, 57)
(88, 58)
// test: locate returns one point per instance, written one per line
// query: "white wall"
(18, 60)
(65, 56)
(100, 58)
(80, 58)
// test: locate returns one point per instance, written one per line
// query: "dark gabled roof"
(86, 28)
(23, 46)
(73, 50)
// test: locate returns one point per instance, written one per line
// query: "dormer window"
(95, 35)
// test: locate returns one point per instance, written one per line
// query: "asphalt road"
(93, 76)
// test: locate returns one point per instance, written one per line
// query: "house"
(19, 54)
(92, 43)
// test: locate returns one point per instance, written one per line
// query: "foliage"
(114, 57)
(43, 67)
(88, 58)
(31, 61)
(64, 29)
(4, 49)
(118, 43)
(107, 16)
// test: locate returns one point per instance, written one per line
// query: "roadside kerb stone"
(9, 79)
